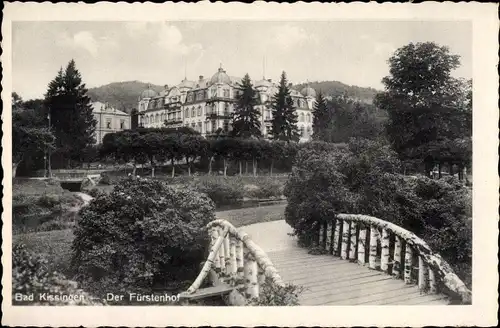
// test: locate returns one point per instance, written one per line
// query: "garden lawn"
(54, 245)
(251, 215)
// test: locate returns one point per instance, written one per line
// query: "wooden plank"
(360, 289)
(325, 283)
(424, 299)
(363, 280)
(363, 295)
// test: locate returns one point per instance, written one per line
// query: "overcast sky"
(355, 53)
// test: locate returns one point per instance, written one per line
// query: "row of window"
(160, 118)
(108, 124)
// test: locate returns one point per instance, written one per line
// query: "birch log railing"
(234, 255)
(384, 246)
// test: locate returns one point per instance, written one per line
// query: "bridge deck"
(329, 280)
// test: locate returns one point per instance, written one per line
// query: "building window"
(207, 127)
(108, 123)
(301, 117)
(199, 127)
(303, 131)
(190, 97)
(199, 110)
(186, 112)
(122, 124)
(193, 112)
(226, 93)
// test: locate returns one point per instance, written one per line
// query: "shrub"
(221, 190)
(143, 234)
(94, 192)
(271, 294)
(316, 191)
(49, 201)
(267, 188)
(363, 179)
(105, 179)
(30, 276)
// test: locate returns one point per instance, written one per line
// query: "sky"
(352, 52)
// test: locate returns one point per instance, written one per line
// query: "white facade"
(109, 120)
(206, 105)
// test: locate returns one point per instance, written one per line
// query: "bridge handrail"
(346, 235)
(227, 253)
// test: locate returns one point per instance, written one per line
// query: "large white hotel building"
(206, 105)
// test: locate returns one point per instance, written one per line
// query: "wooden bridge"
(362, 260)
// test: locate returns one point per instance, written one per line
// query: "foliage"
(271, 294)
(335, 89)
(221, 190)
(316, 190)
(143, 234)
(30, 134)
(363, 178)
(73, 123)
(246, 119)
(321, 118)
(268, 188)
(430, 112)
(284, 122)
(30, 276)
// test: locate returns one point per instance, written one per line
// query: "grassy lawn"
(247, 216)
(54, 245)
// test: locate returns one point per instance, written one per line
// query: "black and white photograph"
(230, 163)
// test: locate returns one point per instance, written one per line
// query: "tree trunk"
(451, 169)
(188, 166)
(246, 167)
(439, 170)
(254, 164)
(225, 167)
(14, 168)
(240, 168)
(152, 169)
(134, 171)
(272, 164)
(210, 165)
(173, 167)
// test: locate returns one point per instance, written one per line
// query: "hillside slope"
(335, 88)
(121, 95)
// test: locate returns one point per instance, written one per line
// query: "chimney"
(269, 80)
(166, 86)
(201, 77)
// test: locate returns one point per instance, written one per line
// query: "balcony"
(218, 98)
(214, 116)
(173, 121)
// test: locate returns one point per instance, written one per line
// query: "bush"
(30, 276)
(143, 234)
(105, 179)
(222, 191)
(316, 191)
(267, 188)
(94, 192)
(49, 201)
(363, 179)
(271, 294)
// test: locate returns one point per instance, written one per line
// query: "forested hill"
(121, 95)
(124, 95)
(335, 88)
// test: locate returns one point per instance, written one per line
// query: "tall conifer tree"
(246, 118)
(72, 121)
(284, 123)
(321, 118)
